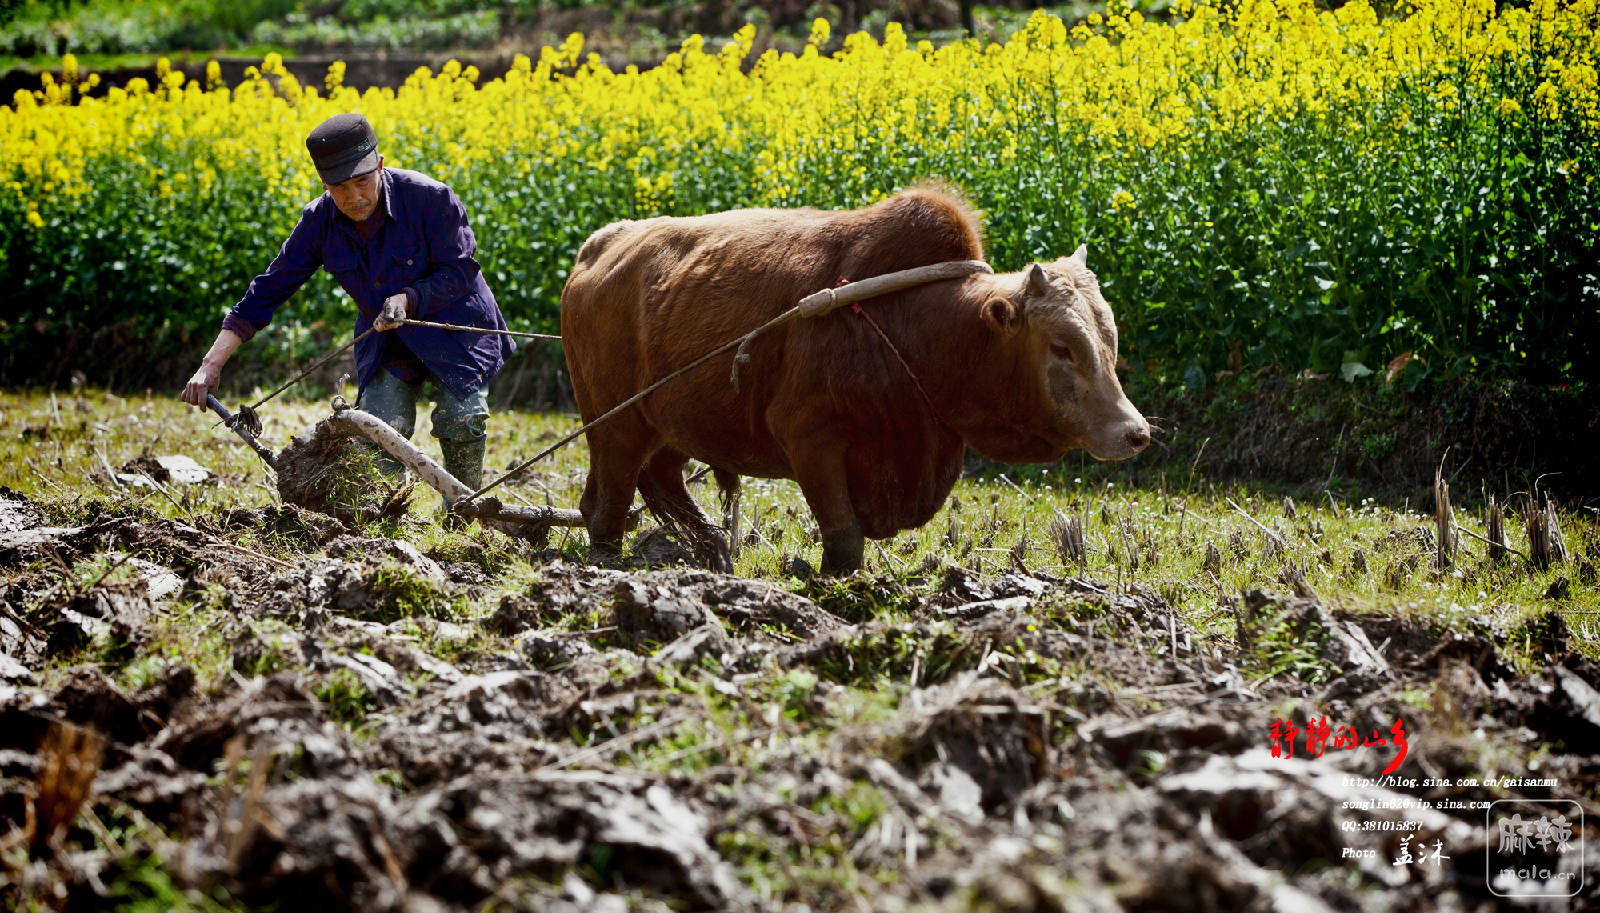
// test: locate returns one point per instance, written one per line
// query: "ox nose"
(1138, 437)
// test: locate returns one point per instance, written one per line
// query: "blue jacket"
(426, 246)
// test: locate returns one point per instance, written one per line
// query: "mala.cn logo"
(1534, 848)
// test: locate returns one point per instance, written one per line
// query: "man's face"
(357, 197)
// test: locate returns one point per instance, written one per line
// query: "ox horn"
(1036, 282)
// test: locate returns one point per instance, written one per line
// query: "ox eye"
(1062, 352)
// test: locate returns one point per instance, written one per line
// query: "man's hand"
(204, 381)
(394, 311)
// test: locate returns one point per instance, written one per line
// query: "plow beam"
(356, 423)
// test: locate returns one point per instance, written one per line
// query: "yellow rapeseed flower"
(872, 115)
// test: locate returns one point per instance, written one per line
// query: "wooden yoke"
(819, 303)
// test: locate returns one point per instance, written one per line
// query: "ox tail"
(662, 487)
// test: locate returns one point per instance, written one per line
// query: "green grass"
(1362, 556)
(141, 879)
(145, 885)
(143, 60)
(344, 697)
(145, 28)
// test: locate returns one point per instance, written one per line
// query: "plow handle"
(232, 421)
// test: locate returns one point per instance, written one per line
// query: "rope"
(446, 326)
(814, 305)
(818, 303)
(319, 363)
(737, 341)
(856, 308)
(407, 322)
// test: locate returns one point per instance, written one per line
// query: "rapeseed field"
(1267, 182)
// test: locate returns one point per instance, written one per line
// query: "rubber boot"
(464, 460)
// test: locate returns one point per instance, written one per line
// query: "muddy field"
(263, 707)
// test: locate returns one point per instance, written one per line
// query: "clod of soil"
(16, 512)
(339, 477)
(165, 470)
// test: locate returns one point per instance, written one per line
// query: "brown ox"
(1021, 366)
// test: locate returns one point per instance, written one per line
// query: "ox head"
(1066, 337)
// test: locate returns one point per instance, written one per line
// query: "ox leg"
(827, 491)
(614, 465)
(728, 486)
(842, 550)
(661, 484)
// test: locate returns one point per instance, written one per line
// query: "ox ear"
(1035, 282)
(1001, 315)
(1080, 257)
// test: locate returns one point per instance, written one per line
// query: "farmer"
(399, 243)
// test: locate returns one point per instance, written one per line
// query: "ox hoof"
(722, 560)
(842, 551)
(799, 568)
(840, 566)
(605, 555)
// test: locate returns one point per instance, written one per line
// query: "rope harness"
(256, 422)
(813, 305)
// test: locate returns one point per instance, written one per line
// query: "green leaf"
(1351, 370)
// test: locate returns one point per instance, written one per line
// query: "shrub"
(1257, 183)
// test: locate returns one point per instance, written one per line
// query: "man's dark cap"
(342, 147)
